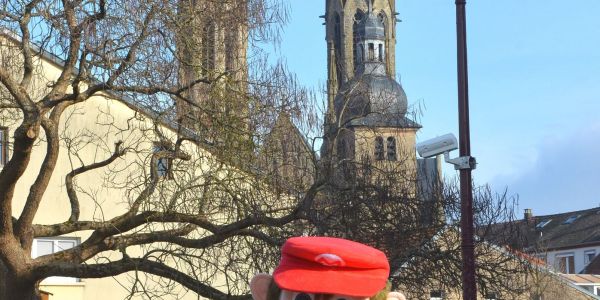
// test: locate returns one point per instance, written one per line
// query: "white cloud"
(565, 177)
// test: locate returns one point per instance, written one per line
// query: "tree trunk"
(11, 288)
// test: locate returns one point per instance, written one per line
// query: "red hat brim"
(295, 275)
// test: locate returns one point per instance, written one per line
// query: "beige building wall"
(89, 131)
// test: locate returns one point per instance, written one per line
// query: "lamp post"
(465, 163)
(466, 192)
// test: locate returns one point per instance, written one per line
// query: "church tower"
(366, 119)
(212, 45)
(342, 19)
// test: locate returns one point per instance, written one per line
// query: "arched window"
(391, 149)
(361, 54)
(342, 149)
(358, 17)
(208, 46)
(371, 52)
(337, 44)
(379, 154)
(231, 47)
(384, 20)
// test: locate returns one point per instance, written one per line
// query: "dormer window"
(571, 219)
(541, 224)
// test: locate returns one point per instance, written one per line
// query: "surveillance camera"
(438, 145)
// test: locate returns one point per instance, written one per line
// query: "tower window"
(391, 149)
(355, 38)
(380, 52)
(361, 53)
(208, 46)
(371, 51)
(337, 44)
(230, 50)
(342, 149)
(384, 20)
(379, 155)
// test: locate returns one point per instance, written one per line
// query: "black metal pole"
(466, 192)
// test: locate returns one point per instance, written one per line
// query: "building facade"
(569, 241)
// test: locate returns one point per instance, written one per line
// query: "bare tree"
(183, 210)
(191, 185)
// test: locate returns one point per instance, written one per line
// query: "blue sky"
(534, 87)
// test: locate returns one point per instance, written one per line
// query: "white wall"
(578, 253)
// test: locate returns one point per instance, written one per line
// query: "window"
(163, 164)
(565, 263)
(491, 296)
(571, 219)
(436, 295)
(391, 149)
(384, 20)
(358, 17)
(380, 52)
(45, 246)
(342, 149)
(588, 256)
(541, 224)
(337, 42)
(379, 155)
(371, 52)
(3, 145)
(208, 46)
(361, 52)
(231, 50)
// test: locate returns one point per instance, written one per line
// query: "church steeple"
(370, 45)
(342, 20)
(367, 100)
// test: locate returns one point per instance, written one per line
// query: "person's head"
(323, 268)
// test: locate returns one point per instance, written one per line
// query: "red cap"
(324, 265)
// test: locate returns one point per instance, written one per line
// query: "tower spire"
(371, 45)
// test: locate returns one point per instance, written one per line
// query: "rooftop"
(573, 229)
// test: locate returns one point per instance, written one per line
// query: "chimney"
(528, 216)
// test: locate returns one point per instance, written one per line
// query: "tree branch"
(73, 199)
(25, 44)
(38, 188)
(133, 264)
